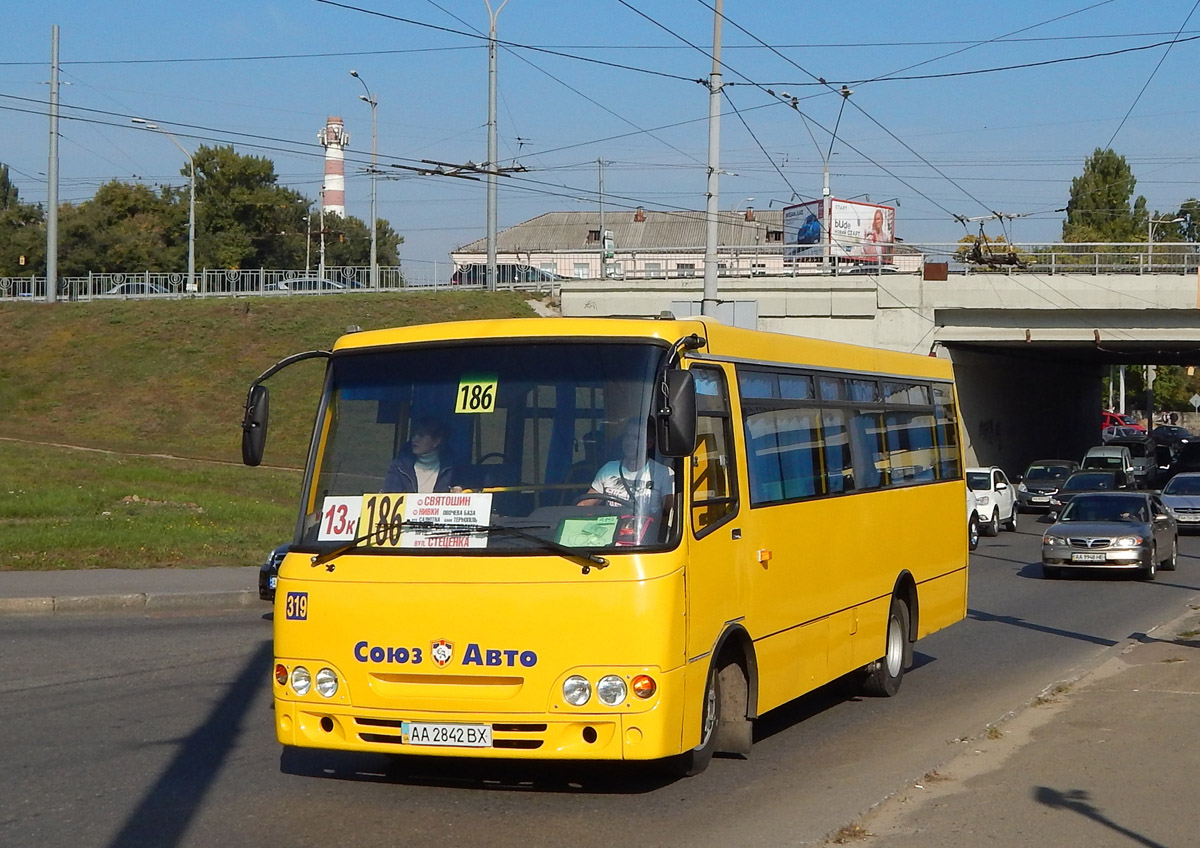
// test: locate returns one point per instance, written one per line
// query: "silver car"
(1182, 497)
(1124, 530)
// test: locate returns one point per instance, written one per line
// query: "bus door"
(718, 558)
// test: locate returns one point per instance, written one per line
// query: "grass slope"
(145, 380)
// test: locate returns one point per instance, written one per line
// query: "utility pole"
(603, 244)
(708, 306)
(52, 177)
(493, 154)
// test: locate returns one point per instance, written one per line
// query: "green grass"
(156, 389)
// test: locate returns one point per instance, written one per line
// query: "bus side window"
(714, 490)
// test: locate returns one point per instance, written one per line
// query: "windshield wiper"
(548, 544)
(458, 529)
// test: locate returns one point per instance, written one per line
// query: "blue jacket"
(402, 475)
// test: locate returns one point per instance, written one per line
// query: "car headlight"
(301, 680)
(983, 500)
(327, 682)
(1021, 487)
(1052, 541)
(611, 690)
(1127, 541)
(576, 690)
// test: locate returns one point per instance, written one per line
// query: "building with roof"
(643, 244)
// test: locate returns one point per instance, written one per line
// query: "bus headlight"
(327, 683)
(301, 680)
(576, 690)
(611, 690)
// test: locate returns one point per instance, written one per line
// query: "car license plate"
(1040, 499)
(446, 735)
(1088, 557)
(272, 581)
(1187, 518)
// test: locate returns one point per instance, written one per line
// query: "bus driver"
(644, 483)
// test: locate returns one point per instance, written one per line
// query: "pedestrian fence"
(677, 264)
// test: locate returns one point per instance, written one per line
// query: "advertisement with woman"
(861, 232)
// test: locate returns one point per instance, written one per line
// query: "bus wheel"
(884, 675)
(692, 762)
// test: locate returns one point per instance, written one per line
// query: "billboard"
(856, 232)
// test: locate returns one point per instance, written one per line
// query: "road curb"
(131, 602)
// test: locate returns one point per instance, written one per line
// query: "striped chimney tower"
(334, 138)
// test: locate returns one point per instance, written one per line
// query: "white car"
(972, 522)
(995, 499)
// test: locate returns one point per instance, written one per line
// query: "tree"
(1099, 209)
(348, 242)
(124, 227)
(1189, 227)
(22, 232)
(9, 195)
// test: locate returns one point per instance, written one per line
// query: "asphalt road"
(124, 731)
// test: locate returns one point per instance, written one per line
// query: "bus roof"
(723, 342)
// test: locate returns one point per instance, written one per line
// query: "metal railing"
(678, 265)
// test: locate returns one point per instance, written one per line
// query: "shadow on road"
(1015, 621)
(1076, 800)
(162, 817)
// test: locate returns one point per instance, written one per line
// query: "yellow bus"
(607, 539)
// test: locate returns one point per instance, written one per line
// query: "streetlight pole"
(826, 201)
(1150, 236)
(371, 101)
(191, 280)
(492, 146)
(321, 247)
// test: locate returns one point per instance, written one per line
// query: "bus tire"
(883, 676)
(693, 762)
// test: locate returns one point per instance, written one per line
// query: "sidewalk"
(1112, 759)
(112, 589)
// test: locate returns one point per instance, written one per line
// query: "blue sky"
(616, 80)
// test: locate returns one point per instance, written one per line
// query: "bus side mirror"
(677, 425)
(254, 424)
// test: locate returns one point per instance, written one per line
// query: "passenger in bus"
(424, 464)
(636, 479)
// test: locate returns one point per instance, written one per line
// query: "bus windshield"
(489, 448)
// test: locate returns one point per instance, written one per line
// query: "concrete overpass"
(1029, 349)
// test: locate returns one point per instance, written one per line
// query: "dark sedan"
(1132, 531)
(1086, 481)
(1043, 478)
(268, 573)
(1170, 434)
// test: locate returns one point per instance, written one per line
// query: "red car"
(1116, 419)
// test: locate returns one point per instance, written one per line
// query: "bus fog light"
(576, 690)
(327, 683)
(644, 686)
(611, 690)
(301, 680)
